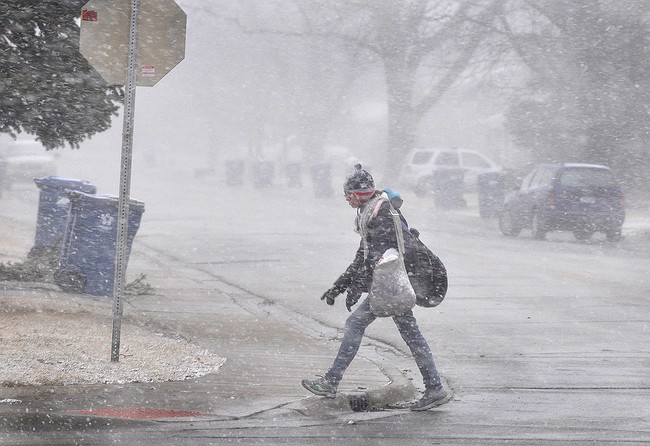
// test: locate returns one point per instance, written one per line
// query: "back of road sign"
(104, 39)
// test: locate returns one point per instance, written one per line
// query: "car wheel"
(538, 226)
(583, 234)
(507, 224)
(614, 235)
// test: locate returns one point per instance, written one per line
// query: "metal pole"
(125, 184)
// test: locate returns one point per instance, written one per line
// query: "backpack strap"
(399, 234)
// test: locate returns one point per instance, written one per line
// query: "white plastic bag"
(391, 293)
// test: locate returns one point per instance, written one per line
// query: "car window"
(525, 184)
(422, 157)
(474, 160)
(534, 182)
(587, 177)
(447, 159)
(545, 177)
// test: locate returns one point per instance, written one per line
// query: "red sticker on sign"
(88, 15)
(148, 70)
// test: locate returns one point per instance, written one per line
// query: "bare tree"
(293, 80)
(588, 94)
(424, 47)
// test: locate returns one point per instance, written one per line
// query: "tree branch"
(460, 64)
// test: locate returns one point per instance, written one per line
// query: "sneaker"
(320, 387)
(432, 398)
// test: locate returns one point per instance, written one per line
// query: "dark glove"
(352, 298)
(330, 295)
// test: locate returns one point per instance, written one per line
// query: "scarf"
(365, 214)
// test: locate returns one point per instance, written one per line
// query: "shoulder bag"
(391, 292)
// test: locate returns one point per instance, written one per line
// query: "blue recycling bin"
(293, 170)
(448, 188)
(87, 262)
(321, 177)
(53, 206)
(263, 172)
(234, 172)
(491, 193)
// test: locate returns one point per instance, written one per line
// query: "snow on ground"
(56, 339)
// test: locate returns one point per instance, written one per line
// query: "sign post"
(125, 184)
(130, 42)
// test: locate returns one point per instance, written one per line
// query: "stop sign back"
(104, 39)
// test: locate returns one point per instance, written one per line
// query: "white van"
(422, 164)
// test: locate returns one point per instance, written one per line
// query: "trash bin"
(88, 252)
(448, 188)
(263, 172)
(53, 205)
(234, 172)
(294, 174)
(321, 178)
(491, 193)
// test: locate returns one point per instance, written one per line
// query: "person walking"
(375, 225)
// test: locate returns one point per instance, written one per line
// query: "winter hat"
(360, 183)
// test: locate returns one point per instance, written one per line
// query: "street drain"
(137, 413)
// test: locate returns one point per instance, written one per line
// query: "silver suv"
(421, 166)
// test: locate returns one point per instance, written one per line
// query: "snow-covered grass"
(51, 338)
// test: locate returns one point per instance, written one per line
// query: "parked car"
(583, 198)
(23, 160)
(422, 165)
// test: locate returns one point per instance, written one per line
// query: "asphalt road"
(542, 341)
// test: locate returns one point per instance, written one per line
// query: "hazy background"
(248, 95)
(200, 114)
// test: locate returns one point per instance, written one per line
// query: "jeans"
(356, 325)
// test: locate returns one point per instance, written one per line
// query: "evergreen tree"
(47, 88)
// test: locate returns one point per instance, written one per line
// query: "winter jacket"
(379, 235)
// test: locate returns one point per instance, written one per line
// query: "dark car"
(583, 198)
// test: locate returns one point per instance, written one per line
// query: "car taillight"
(550, 198)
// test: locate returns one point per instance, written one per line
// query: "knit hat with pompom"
(360, 183)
